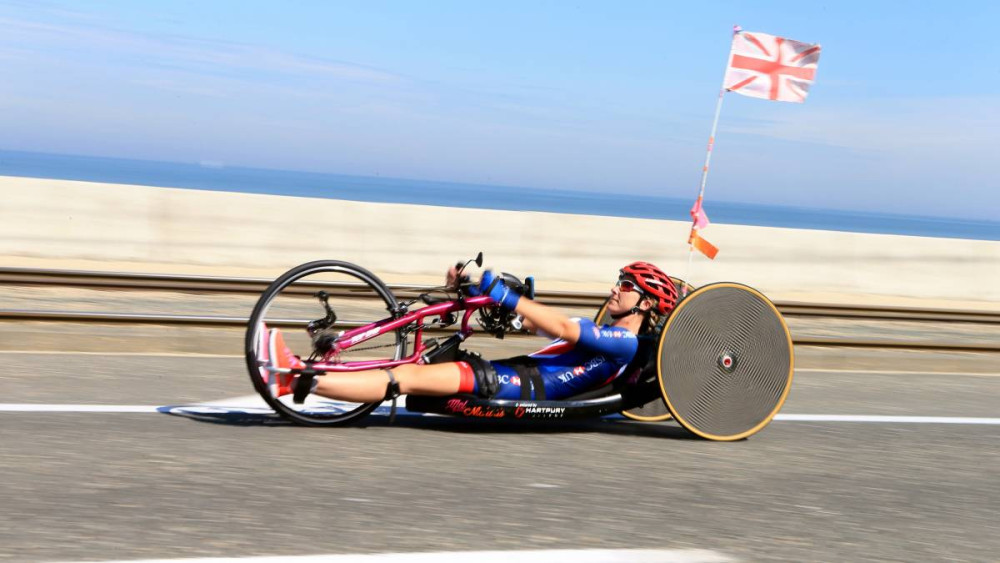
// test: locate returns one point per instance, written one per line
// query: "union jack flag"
(770, 67)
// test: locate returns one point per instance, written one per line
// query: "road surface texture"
(115, 485)
(86, 485)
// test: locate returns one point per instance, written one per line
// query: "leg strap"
(392, 392)
(304, 384)
(531, 379)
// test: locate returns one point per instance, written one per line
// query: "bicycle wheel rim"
(316, 411)
(725, 362)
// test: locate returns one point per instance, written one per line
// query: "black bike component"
(283, 302)
(429, 299)
(392, 392)
(426, 298)
(526, 368)
(725, 361)
(439, 351)
(497, 320)
(532, 376)
(636, 393)
(477, 407)
(323, 343)
(614, 397)
(303, 384)
(462, 283)
(326, 322)
(516, 285)
(460, 267)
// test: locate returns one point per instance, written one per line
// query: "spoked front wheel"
(310, 305)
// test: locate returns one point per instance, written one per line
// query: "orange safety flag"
(703, 246)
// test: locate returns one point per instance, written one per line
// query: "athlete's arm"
(538, 317)
(542, 319)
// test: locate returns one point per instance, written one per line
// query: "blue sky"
(904, 116)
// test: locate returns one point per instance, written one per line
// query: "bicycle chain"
(372, 347)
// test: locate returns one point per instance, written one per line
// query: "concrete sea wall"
(58, 223)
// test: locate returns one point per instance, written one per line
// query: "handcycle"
(720, 364)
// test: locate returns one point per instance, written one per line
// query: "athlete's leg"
(370, 386)
(508, 380)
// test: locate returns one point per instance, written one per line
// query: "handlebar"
(495, 320)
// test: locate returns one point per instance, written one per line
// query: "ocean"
(396, 190)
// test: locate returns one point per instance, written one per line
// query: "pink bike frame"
(361, 334)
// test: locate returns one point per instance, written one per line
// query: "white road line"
(898, 372)
(222, 407)
(28, 407)
(881, 418)
(149, 354)
(575, 555)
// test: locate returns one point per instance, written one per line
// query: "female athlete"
(582, 355)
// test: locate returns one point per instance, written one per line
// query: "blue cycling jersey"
(599, 356)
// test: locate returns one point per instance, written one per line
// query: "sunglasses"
(627, 286)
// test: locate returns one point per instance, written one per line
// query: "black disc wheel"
(317, 293)
(655, 410)
(725, 361)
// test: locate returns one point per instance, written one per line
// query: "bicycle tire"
(330, 415)
(725, 362)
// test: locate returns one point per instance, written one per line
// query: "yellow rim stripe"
(791, 365)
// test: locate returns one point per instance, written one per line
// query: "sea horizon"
(213, 176)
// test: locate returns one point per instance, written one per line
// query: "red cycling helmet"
(654, 283)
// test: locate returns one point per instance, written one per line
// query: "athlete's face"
(624, 295)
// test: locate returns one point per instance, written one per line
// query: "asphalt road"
(79, 486)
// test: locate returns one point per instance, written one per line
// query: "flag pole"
(711, 143)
